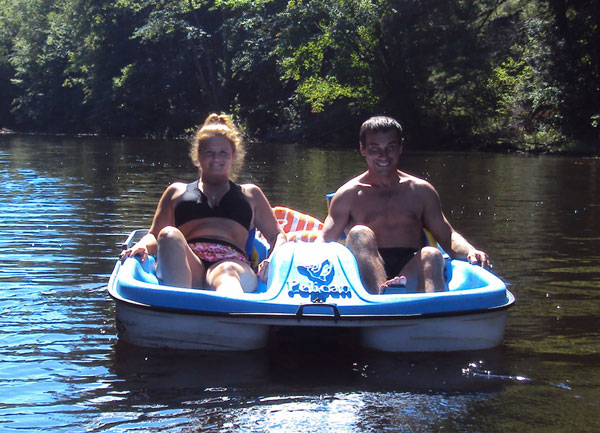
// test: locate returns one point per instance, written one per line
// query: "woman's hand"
(137, 250)
(263, 270)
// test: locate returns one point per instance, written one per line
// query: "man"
(384, 211)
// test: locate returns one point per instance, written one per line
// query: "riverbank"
(568, 148)
(484, 145)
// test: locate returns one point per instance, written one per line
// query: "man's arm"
(451, 241)
(462, 249)
(338, 217)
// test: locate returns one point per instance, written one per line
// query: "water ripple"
(66, 204)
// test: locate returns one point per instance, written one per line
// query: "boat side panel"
(150, 328)
(469, 332)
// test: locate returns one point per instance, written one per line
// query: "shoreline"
(499, 146)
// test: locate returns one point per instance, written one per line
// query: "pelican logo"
(319, 274)
(319, 287)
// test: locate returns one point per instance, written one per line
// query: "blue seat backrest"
(250, 242)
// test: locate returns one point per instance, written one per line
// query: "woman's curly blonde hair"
(219, 124)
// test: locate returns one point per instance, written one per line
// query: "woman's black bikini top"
(193, 204)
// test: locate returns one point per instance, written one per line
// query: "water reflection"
(66, 204)
(303, 388)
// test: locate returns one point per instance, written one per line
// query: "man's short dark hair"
(379, 124)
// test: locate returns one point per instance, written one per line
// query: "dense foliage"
(452, 71)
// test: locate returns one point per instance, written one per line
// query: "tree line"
(494, 73)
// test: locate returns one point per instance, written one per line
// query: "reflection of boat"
(310, 285)
(177, 370)
(182, 375)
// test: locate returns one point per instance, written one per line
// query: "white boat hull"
(315, 286)
(438, 334)
(144, 326)
(150, 328)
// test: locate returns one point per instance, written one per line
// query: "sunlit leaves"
(448, 69)
(320, 92)
(326, 53)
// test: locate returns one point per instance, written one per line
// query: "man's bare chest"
(384, 207)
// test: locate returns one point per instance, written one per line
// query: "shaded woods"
(495, 73)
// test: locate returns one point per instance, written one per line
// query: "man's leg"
(428, 268)
(361, 241)
(432, 270)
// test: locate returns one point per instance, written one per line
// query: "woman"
(199, 230)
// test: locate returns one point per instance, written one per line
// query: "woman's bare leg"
(232, 277)
(178, 266)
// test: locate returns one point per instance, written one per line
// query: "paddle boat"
(309, 285)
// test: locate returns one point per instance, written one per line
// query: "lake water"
(66, 204)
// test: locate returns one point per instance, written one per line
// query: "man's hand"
(477, 257)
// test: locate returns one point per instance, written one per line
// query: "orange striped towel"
(297, 225)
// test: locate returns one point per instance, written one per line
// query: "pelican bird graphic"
(321, 274)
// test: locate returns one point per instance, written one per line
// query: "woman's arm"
(265, 221)
(163, 217)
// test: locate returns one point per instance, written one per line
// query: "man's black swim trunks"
(395, 259)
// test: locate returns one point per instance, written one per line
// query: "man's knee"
(361, 237)
(432, 256)
(361, 231)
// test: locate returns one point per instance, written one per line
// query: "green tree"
(38, 57)
(8, 29)
(424, 62)
(575, 47)
(544, 78)
(450, 70)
